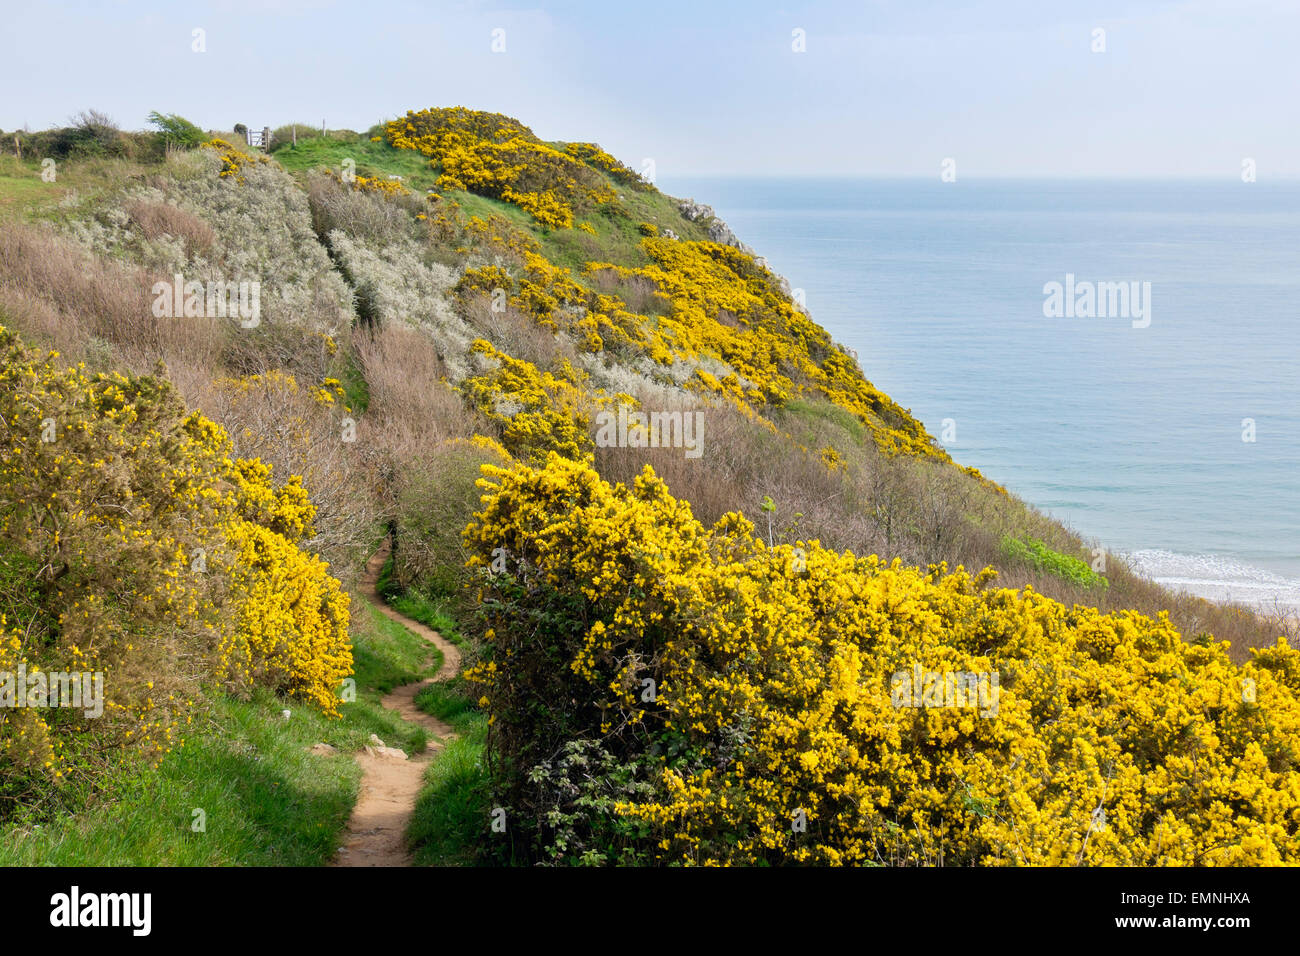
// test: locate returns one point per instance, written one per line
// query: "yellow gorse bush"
(498, 157)
(720, 304)
(539, 412)
(775, 735)
(724, 304)
(133, 545)
(233, 162)
(26, 746)
(291, 630)
(593, 155)
(385, 187)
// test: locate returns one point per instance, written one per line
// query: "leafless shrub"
(359, 214)
(282, 421)
(436, 498)
(155, 219)
(517, 333)
(104, 300)
(412, 409)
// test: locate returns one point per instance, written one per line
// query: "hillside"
(685, 544)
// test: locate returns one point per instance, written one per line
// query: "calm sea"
(1133, 436)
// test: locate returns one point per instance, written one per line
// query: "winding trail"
(377, 829)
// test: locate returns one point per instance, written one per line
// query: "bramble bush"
(770, 733)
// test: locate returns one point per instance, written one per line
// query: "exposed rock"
(390, 753)
(719, 231)
(668, 234)
(375, 741)
(693, 210)
(322, 750)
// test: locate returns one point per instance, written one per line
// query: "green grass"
(449, 700)
(484, 207)
(618, 237)
(808, 421)
(430, 606)
(23, 192)
(452, 812)
(356, 390)
(431, 611)
(372, 159)
(267, 801)
(386, 655)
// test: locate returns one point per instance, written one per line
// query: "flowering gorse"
(133, 545)
(755, 690)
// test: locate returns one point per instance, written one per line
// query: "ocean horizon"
(1120, 353)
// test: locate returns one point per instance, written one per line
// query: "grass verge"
(263, 798)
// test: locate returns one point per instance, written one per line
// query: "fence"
(262, 139)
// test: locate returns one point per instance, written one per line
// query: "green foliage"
(1035, 554)
(92, 134)
(176, 131)
(577, 795)
(266, 800)
(431, 611)
(390, 655)
(449, 700)
(450, 823)
(378, 160)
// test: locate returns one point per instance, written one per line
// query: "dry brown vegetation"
(155, 219)
(62, 296)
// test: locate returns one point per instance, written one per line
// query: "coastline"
(1219, 579)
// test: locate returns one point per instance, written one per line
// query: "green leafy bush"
(176, 131)
(1034, 553)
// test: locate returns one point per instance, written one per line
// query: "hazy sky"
(884, 87)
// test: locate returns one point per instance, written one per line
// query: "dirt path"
(377, 830)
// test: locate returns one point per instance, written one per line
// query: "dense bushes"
(758, 690)
(498, 157)
(92, 134)
(1035, 554)
(132, 545)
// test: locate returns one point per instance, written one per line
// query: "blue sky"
(1008, 88)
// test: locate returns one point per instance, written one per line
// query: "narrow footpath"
(376, 833)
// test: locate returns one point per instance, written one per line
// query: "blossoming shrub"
(539, 412)
(495, 156)
(133, 546)
(233, 161)
(593, 155)
(291, 627)
(755, 687)
(108, 491)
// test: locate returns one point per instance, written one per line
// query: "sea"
(1122, 354)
